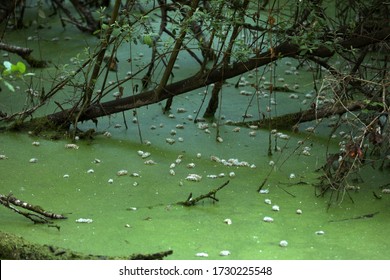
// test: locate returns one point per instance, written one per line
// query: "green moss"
(13, 247)
(41, 126)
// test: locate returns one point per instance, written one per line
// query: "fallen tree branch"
(284, 49)
(63, 119)
(192, 201)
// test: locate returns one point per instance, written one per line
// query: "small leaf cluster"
(9, 69)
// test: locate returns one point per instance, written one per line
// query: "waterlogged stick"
(39, 215)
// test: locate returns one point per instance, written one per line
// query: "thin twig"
(192, 201)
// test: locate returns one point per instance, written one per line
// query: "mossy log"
(13, 247)
(289, 121)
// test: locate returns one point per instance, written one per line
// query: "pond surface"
(140, 214)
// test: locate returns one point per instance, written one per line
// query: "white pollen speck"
(283, 243)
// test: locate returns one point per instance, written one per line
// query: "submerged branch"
(288, 121)
(366, 216)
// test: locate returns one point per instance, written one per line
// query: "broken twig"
(192, 201)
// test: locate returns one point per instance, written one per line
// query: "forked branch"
(212, 195)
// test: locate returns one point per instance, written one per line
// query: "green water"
(158, 223)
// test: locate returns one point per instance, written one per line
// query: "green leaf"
(148, 40)
(21, 67)
(8, 68)
(7, 65)
(14, 68)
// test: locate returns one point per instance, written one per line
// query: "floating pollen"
(227, 221)
(83, 220)
(122, 172)
(283, 243)
(181, 110)
(224, 253)
(193, 177)
(145, 155)
(150, 162)
(170, 141)
(202, 255)
(71, 146)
